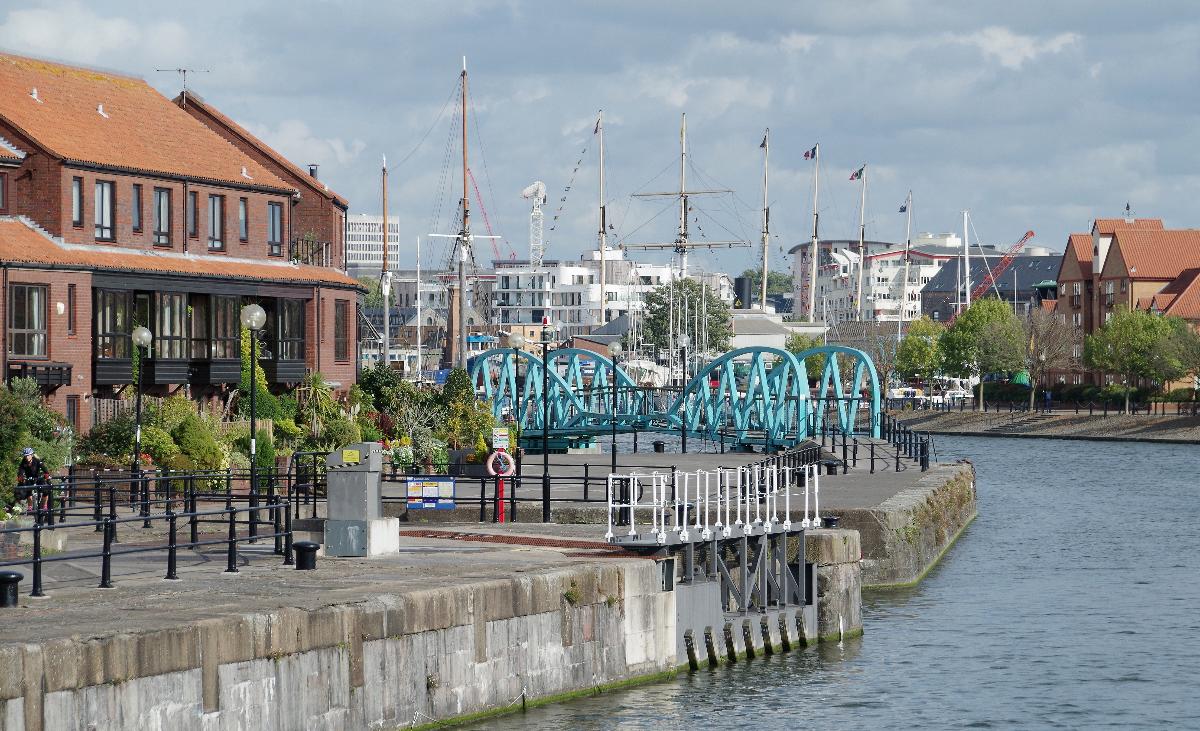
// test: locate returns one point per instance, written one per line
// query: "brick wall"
(320, 355)
(62, 346)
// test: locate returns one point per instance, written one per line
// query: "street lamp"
(547, 339)
(253, 317)
(142, 339)
(684, 341)
(614, 350)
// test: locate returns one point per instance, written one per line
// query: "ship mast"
(766, 220)
(862, 241)
(812, 251)
(603, 227)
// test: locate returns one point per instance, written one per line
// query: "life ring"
(507, 466)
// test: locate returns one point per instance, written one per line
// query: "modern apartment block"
(120, 208)
(364, 245)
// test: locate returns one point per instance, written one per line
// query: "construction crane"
(994, 273)
(537, 246)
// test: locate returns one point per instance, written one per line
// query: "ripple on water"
(1039, 616)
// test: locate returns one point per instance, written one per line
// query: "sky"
(1032, 115)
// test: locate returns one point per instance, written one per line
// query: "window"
(226, 328)
(3, 192)
(27, 320)
(198, 324)
(290, 330)
(341, 340)
(73, 413)
(1075, 288)
(112, 324)
(70, 309)
(170, 318)
(193, 213)
(77, 202)
(162, 216)
(275, 229)
(243, 222)
(216, 222)
(135, 208)
(104, 210)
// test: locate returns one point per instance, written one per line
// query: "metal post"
(231, 548)
(613, 415)
(136, 470)
(545, 428)
(106, 554)
(254, 428)
(171, 546)
(683, 401)
(37, 546)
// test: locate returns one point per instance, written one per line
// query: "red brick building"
(120, 208)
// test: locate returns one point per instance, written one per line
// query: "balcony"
(309, 251)
(112, 371)
(284, 371)
(215, 372)
(47, 375)
(164, 371)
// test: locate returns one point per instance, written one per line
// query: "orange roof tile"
(139, 128)
(22, 243)
(1110, 225)
(1157, 254)
(1185, 295)
(1081, 244)
(197, 101)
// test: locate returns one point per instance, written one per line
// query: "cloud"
(1012, 50)
(74, 32)
(297, 142)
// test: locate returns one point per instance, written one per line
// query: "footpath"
(1065, 425)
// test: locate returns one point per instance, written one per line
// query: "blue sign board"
(430, 493)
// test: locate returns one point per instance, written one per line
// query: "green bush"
(158, 444)
(370, 432)
(169, 413)
(112, 439)
(340, 432)
(287, 432)
(197, 441)
(266, 406)
(264, 448)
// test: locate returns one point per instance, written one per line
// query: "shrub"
(340, 432)
(266, 406)
(198, 443)
(370, 432)
(158, 444)
(112, 439)
(286, 431)
(169, 413)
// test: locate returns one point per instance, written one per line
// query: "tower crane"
(994, 273)
(536, 192)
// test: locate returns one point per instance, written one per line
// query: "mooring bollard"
(306, 555)
(8, 588)
(830, 521)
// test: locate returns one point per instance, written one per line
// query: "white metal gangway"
(675, 508)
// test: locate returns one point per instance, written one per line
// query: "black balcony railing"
(309, 251)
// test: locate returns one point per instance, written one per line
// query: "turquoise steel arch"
(755, 395)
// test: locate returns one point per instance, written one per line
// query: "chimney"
(312, 169)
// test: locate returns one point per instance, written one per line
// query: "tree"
(1138, 344)
(1049, 345)
(919, 355)
(777, 282)
(374, 296)
(814, 364)
(687, 296)
(986, 338)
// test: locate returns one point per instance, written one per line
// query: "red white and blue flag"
(811, 154)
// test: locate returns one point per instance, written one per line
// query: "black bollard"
(830, 521)
(306, 555)
(8, 588)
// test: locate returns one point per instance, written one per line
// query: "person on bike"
(32, 471)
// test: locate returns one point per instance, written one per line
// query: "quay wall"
(418, 657)
(904, 536)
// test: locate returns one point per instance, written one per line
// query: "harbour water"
(1073, 601)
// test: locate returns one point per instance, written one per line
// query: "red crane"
(1001, 266)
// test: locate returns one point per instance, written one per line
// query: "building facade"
(120, 209)
(364, 245)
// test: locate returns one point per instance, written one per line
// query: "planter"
(460, 467)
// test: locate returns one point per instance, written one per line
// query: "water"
(1073, 601)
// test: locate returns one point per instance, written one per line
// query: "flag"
(904, 207)
(857, 174)
(596, 131)
(763, 144)
(811, 154)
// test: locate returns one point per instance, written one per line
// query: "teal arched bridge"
(757, 395)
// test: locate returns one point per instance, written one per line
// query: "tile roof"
(195, 100)
(1111, 225)
(1081, 244)
(1180, 298)
(107, 119)
(1158, 254)
(22, 243)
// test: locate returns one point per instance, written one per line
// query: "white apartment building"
(364, 244)
(886, 296)
(568, 292)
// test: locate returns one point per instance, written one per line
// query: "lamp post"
(253, 317)
(684, 341)
(142, 339)
(614, 350)
(547, 339)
